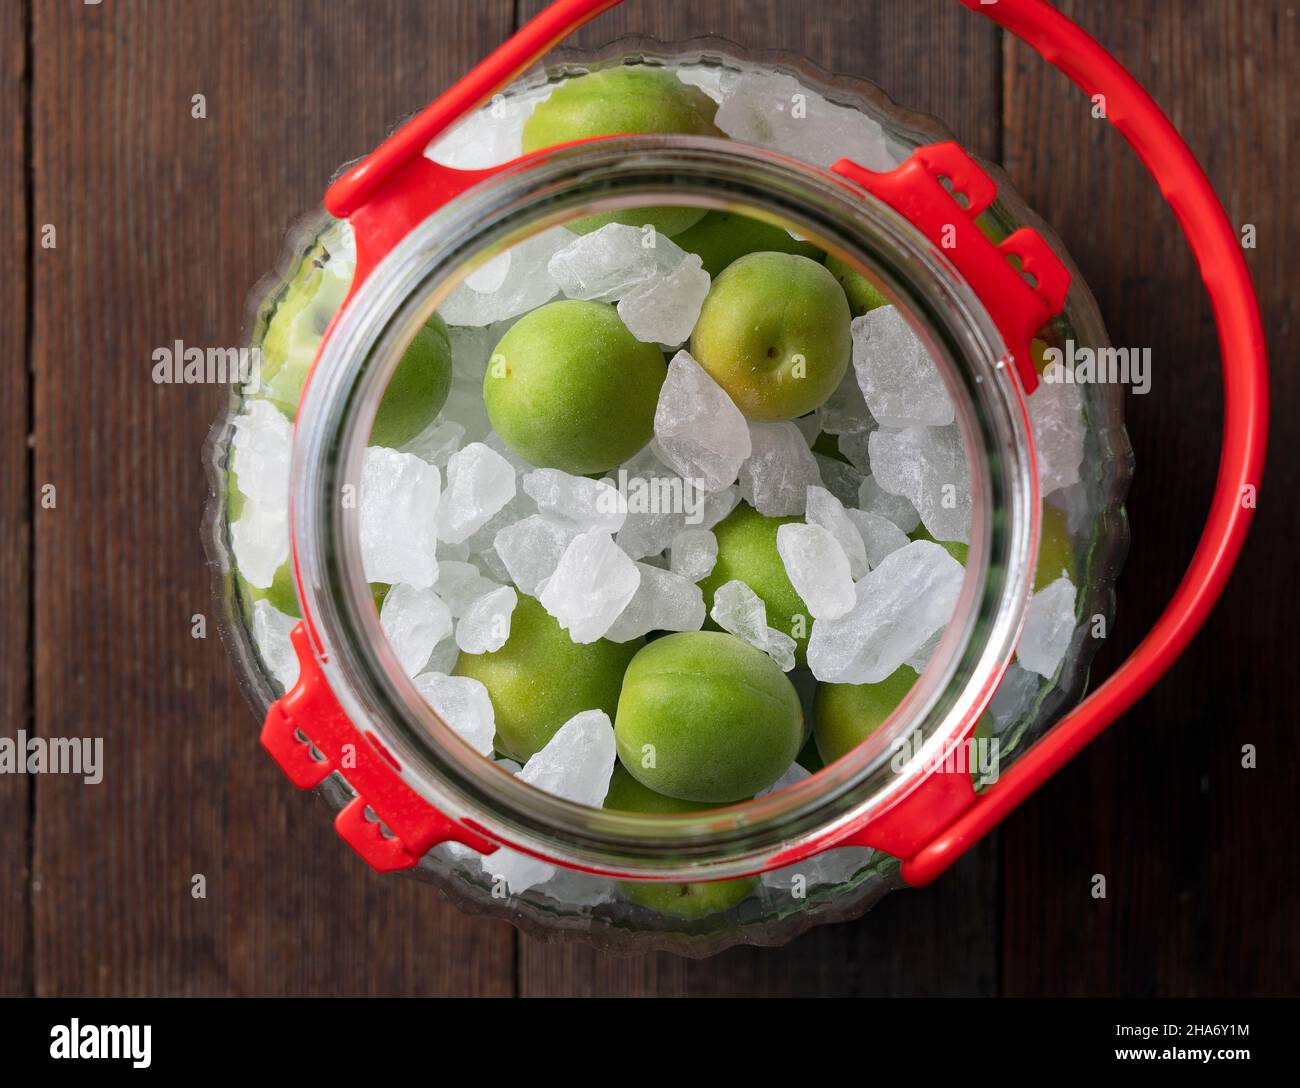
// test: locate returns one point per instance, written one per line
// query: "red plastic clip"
(1020, 301)
(309, 736)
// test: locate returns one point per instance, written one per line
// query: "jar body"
(838, 884)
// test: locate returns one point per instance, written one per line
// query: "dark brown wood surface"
(165, 221)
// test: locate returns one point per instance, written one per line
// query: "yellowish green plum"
(541, 678)
(569, 387)
(705, 717)
(688, 902)
(844, 715)
(862, 294)
(1055, 550)
(747, 552)
(774, 333)
(722, 237)
(617, 101)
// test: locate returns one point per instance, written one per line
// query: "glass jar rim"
(408, 286)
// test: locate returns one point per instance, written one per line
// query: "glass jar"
(594, 849)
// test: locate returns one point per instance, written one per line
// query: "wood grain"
(16, 503)
(165, 223)
(1200, 873)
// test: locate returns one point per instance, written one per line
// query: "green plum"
(844, 715)
(1055, 550)
(705, 717)
(747, 552)
(722, 237)
(617, 101)
(418, 388)
(689, 902)
(540, 678)
(774, 333)
(862, 294)
(569, 387)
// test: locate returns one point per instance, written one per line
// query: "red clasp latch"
(309, 736)
(941, 190)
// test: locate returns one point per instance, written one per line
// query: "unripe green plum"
(569, 387)
(418, 388)
(618, 101)
(774, 333)
(1055, 549)
(747, 553)
(844, 715)
(722, 237)
(541, 678)
(705, 717)
(862, 294)
(689, 902)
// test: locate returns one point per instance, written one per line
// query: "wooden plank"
(933, 57)
(1200, 874)
(16, 503)
(165, 222)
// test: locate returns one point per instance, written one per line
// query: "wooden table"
(161, 224)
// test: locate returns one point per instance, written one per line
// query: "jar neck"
(360, 356)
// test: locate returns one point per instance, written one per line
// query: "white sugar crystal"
(664, 308)
(900, 381)
(1049, 626)
(841, 480)
(459, 584)
(826, 510)
(414, 621)
(659, 505)
(398, 518)
(693, 553)
(485, 626)
(715, 507)
(491, 135)
(271, 629)
(524, 285)
(575, 500)
(927, 465)
(444, 656)
(592, 584)
(260, 451)
(464, 704)
(479, 483)
(899, 605)
(531, 550)
(775, 110)
(845, 411)
(829, 867)
(260, 542)
(699, 431)
(873, 499)
(853, 448)
(921, 659)
(740, 611)
(880, 536)
(261, 448)
(713, 79)
(778, 473)
(437, 442)
(818, 569)
(1056, 419)
(1015, 696)
(576, 763)
(663, 602)
(609, 263)
(577, 889)
(780, 647)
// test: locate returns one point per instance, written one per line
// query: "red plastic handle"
(364, 190)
